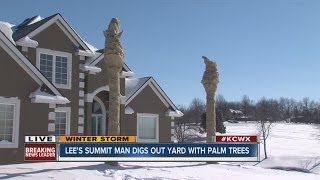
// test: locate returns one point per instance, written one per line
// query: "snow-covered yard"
(87, 170)
(290, 145)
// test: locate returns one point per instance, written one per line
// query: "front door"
(98, 118)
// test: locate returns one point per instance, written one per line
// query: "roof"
(134, 86)
(95, 60)
(24, 28)
(34, 25)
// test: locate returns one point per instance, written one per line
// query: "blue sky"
(263, 48)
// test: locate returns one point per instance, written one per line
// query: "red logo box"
(236, 138)
(40, 152)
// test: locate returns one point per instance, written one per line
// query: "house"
(236, 114)
(54, 83)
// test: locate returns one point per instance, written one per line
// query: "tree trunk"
(264, 139)
(265, 149)
(210, 119)
(114, 104)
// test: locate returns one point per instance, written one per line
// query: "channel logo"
(230, 138)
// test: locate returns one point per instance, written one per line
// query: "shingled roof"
(24, 28)
(133, 86)
(30, 27)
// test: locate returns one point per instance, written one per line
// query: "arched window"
(96, 107)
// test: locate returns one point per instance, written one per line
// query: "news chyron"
(125, 148)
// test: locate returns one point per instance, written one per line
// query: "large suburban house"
(54, 83)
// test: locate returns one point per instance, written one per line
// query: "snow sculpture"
(210, 82)
(113, 57)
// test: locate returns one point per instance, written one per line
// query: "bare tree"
(196, 108)
(286, 108)
(247, 106)
(266, 112)
(181, 131)
(223, 107)
(306, 109)
(181, 126)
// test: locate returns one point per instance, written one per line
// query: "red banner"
(40, 152)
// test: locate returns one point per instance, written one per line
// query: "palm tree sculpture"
(210, 82)
(113, 57)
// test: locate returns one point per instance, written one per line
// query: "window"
(62, 121)
(55, 66)
(46, 65)
(9, 122)
(61, 70)
(147, 127)
(98, 117)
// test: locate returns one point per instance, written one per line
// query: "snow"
(288, 145)
(36, 19)
(235, 111)
(92, 69)
(27, 42)
(39, 96)
(140, 170)
(6, 28)
(129, 110)
(175, 113)
(134, 84)
(91, 47)
(87, 53)
(127, 74)
(123, 99)
(4, 142)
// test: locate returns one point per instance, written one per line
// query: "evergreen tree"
(219, 122)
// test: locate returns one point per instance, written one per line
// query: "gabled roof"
(12, 50)
(134, 86)
(125, 67)
(24, 28)
(30, 29)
